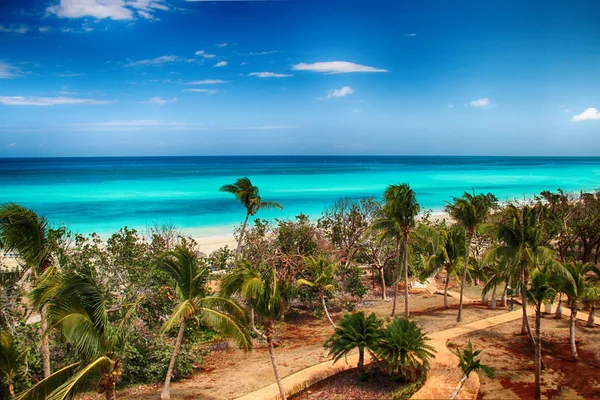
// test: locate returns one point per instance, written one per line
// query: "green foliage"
(296, 237)
(248, 195)
(350, 281)
(468, 361)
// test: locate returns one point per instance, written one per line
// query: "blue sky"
(158, 77)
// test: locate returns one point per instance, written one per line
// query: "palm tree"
(355, 331)
(574, 286)
(470, 211)
(468, 362)
(447, 256)
(23, 231)
(323, 274)
(77, 309)
(398, 220)
(190, 281)
(248, 195)
(261, 289)
(592, 295)
(403, 348)
(12, 359)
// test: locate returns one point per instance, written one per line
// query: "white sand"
(209, 244)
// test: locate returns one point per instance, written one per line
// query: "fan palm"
(77, 309)
(447, 255)
(248, 195)
(468, 362)
(397, 221)
(355, 331)
(23, 231)
(470, 211)
(261, 289)
(12, 359)
(190, 281)
(592, 295)
(323, 274)
(403, 348)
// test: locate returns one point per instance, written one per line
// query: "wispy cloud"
(479, 103)
(218, 44)
(260, 127)
(262, 53)
(45, 29)
(16, 29)
(159, 101)
(335, 67)
(11, 145)
(345, 91)
(221, 64)
(155, 61)
(268, 75)
(47, 101)
(207, 91)
(207, 82)
(450, 105)
(410, 34)
(129, 125)
(111, 9)
(8, 71)
(565, 109)
(70, 74)
(204, 54)
(589, 114)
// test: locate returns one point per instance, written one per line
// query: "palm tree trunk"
(11, 387)
(274, 360)
(383, 288)
(166, 392)
(485, 299)
(446, 289)
(504, 293)
(458, 387)
(493, 300)
(405, 262)
(361, 358)
(572, 333)
(464, 278)
(525, 327)
(111, 393)
(45, 348)
(397, 278)
(239, 245)
(538, 351)
(327, 311)
(591, 319)
(558, 314)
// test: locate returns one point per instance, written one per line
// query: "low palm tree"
(323, 274)
(261, 289)
(403, 349)
(448, 256)
(190, 283)
(355, 331)
(592, 295)
(469, 211)
(77, 309)
(12, 360)
(249, 196)
(23, 231)
(398, 220)
(468, 362)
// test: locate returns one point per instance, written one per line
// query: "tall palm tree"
(398, 219)
(77, 309)
(261, 289)
(190, 282)
(12, 359)
(23, 231)
(468, 362)
(403, 348)
(323, 274)
(574, 286)
(248, 195)
(470, 211)
(355, 331)
(447, 256)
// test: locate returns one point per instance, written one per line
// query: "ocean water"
(104, 194)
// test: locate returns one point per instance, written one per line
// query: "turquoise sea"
(105, 194)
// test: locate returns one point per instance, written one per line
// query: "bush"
(350, 280)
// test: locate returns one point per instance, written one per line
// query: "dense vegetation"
(80, 313)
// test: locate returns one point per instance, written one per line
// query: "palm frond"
(42, 389)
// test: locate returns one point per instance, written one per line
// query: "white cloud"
(589, 114)
(133, 125)
(221, 44)
(8, 71)
(262, 53)
(335, 67)
(69, 74)
(159, 101)
(207, 82)
(565, 109)
(17, 29)
(155, 61)
(204, 54)
(112, 9)
(11, 145)
(357, 110)
(46, 101)
(483, 102)
(207, 91)
(221, 64)
(45, 29)
(411, 34)
(345, 91)
(450, 105)
(268, 75)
